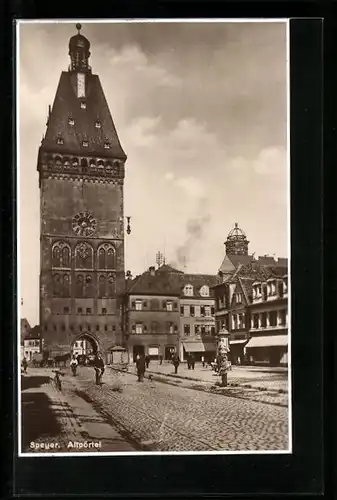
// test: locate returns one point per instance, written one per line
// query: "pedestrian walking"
(147, 360)
(161, 359)
(192, 361)
(140, 365)
(176, 363)
(99, 368)
(24, 364)
(73, 365)
(188, 359)
(203, 361)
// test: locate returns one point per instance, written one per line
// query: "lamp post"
(222, 358)
(128, 226)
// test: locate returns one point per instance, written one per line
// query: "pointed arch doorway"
(85, 347)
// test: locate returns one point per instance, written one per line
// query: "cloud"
(192, 186)
(131, 57)
(169, 176)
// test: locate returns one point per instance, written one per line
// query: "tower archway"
(85, 346)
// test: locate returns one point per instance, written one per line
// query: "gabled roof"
(166, 268)
(169, 281)
(231, 262)
(68, 105)
(33, 333)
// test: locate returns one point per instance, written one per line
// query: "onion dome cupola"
(79, 52)
(236, 243)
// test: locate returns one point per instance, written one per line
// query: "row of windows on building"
(85, 310)
(258, 320)
(84, 286)
(270, 288)
(32, 343)
(62, 327)
(83, 256)
(169, 327)
(84, 163)
(269, 319)
(168, 305)
(222, 301)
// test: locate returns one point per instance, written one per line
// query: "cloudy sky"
(200, 109)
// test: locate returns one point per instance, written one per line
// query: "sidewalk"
(264, 378)
(63, 422)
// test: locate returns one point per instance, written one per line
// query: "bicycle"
(57, 380)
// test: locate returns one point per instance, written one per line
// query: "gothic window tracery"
(61, 255)
(79, 288)
(66, 285)
(106, 256)
(101, 286)
(111, 286)
(56, 285)
(88, 286)
(84, 256)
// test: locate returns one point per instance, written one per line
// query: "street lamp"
(223, 350)
(128, 226)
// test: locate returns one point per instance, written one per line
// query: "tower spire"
(79, 52)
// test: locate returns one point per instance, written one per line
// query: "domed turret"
(79, 51)
(236, 243)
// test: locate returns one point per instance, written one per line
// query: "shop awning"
(231, 342)
(268, 341)
(198, 347)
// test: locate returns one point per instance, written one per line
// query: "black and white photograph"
(153, 188)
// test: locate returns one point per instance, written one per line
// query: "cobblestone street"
(165, 417)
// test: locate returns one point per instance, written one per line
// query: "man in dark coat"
(192, 361)
(99, 368)
(176, 362)
(147, 360)
(140, 365)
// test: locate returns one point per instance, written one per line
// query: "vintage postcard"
(153, 237)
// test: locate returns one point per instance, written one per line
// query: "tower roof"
(236, 233)
(75, 122)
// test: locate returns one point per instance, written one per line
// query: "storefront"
(237, 351)
(198, 349)
(269, 350)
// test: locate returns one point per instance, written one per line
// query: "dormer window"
(107, 145)
(238, 298)
(59, 140)
(98, 124)
(188, 290)
(83, 105)
(71, 121)
(204, 291)
(85, 143)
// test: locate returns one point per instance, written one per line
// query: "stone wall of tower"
(61, 199)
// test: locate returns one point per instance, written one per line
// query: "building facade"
(251, 302)
(167, 311)
(32, 343)
(81, 178)
(268, 342)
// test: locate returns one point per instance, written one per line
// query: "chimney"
(152, 270)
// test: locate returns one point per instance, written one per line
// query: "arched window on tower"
(101, 286)
(111, 286)
(111, 259)
(106, 256)
(56, 285)
(79, 286)
(56, 260)
(88, 286)
(101, 258)
(66, 256)
(84, 256)
(66, 286)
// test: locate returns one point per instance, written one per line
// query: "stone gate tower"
(81, 176)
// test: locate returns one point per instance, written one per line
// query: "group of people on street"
(98, 365)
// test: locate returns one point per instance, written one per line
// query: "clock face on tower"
(84, 224)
